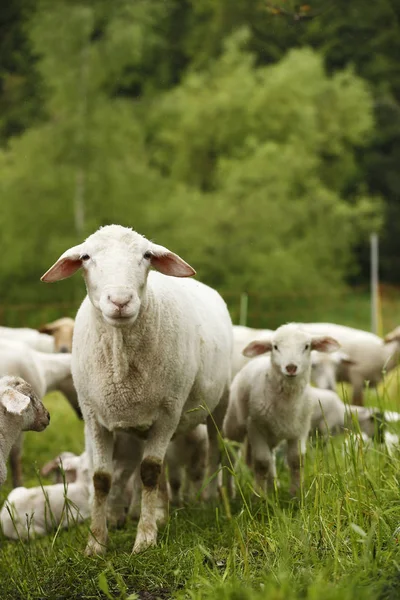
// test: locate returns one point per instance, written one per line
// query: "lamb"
(30, 337)
(370, 356)
(187, 458)
(331, 415)
(20, 410)
(61, 330)
(270, 400)
(151, 356)
(32, 512)
(44, 372)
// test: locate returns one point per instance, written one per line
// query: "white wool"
(151, 356)
(269, 399)
(20, 410)
(31, 512)
(30, 337)
(369, 354)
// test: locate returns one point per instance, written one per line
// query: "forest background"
(259, 140)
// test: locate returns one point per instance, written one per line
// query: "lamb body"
(149, 352)
(20, 410)
(30, 337)
(269, 399)
(37, 511)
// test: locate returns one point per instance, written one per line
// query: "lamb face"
(116, 262)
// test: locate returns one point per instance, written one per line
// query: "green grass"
(335, 542)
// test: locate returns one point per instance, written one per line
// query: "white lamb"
(44, 372)
(20, 410)
(151, 356)
(331, 415)
(30, 337)
(270, 400)
(31, 512)
(370, 356)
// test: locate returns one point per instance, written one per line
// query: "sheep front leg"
(263, 459)
(101, 445)
(151, 474)
(295, 457)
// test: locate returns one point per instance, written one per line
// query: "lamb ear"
(324, 344)
(14, 402)
(169, 263)
(393, 336)
(257, 347)
(67, 265)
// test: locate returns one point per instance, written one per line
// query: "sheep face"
(116, 262)
(17, 398)
(61, 330)
(324, 368)
(290, 349)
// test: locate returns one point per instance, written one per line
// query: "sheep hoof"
(143, 542)
(94, 548)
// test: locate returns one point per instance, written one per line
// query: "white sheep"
(30, 337)
(331, 415)
(151, 356)
(61, 330)
(270, 400)
(186, 460)
(44, 372)
(370, 356)
(20, 410)
(31, 512)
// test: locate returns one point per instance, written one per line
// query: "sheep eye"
(147, 254)
(85, 257)
(275, 347)
(306, 346)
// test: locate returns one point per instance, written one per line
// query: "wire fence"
(350, 307)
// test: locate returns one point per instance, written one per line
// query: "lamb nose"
(120, 302)
(291, 369)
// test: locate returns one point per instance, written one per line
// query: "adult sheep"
(151, 356)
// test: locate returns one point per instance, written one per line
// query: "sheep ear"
(67, 265)
(257, 347)
(344, 359)
(169, 263)
(324, 344)
(14, 402)
(48, 328)
(393, 336)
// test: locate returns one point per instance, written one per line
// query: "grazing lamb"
(370, 356)
(331, 415)
(270, 400)
(151, 357)
(44, 372)
(30, 337)
(31, 512)
(61, 330)
(186, 459)
(20, 410)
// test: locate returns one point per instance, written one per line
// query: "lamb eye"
(85, 257)
(275, 347)
(306, 347)
(147, 254)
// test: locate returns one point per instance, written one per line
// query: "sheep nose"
(291, 368)
(48, 415)
(63, 349)
(120, 301)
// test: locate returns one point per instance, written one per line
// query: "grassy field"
(336, 541)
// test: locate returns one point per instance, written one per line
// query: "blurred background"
(259, 140)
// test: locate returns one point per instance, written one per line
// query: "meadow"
(337, 540)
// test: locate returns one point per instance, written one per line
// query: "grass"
(335, 541)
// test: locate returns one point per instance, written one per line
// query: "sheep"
(32, 512)
(331, 415)
(270, 400)
(187, 456)
(44, 372)
(369, 353)
(20, 410)
(151, 356)
(57, 468)
(324, 368)
(61, 330)
(30, 337)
